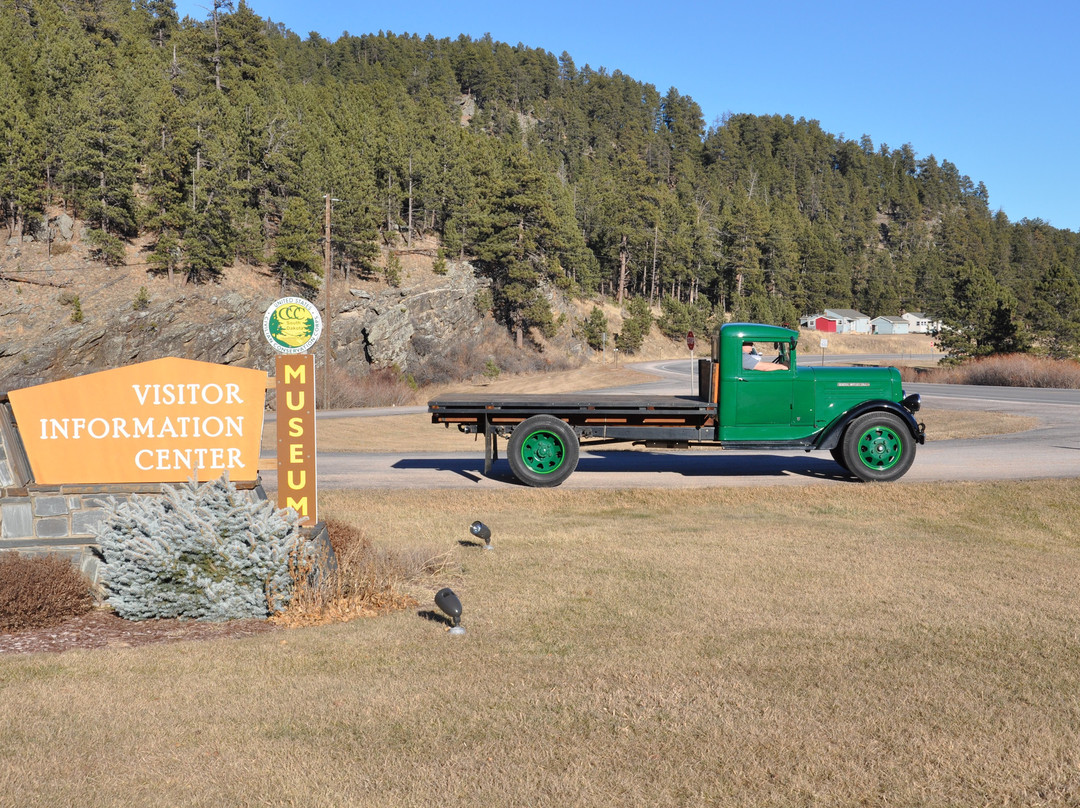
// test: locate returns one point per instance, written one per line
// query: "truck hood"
(836, 390)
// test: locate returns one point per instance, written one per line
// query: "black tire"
(878, 447)
(543, 451)
(838, 456)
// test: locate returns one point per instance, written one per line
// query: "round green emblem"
(292, 325)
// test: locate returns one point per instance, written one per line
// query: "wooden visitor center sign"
(164, 421)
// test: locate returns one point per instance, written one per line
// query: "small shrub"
(67, 298)
(484, 301)
(594, 329)
(635, 327)
(366, 581)
(379, 387)
(198, 551)
(142, 299)
(393, 270)
(104, 247)
(40, 591)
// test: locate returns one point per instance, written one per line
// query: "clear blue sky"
(991, 86)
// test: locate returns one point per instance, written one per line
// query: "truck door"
(763, 390)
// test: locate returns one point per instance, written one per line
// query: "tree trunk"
(654, 290)
(623, 257)
(409, 242)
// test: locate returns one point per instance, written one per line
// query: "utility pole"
(328, 268)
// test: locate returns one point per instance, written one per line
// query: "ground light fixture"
(483, 532)
(449, 603)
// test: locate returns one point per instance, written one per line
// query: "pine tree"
(1056, 312)
(293, 256)
(979, 317)
(636, 324)
(594, 329)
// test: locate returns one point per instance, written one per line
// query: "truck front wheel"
(543, 451)
(878, 447)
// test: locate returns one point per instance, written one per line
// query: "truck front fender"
(830, 436)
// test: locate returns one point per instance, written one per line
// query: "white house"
(850, 321)
(919, 323)
(890, 325)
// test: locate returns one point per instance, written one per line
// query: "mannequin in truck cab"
(752, 359)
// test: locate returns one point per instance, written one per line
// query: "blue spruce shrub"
(205, 551)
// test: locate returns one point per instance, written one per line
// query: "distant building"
(824, 322)
(919, 323)
(849, 321)
(819, 322)
(890, 325)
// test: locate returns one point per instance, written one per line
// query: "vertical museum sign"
(295, 375)
(292, 325)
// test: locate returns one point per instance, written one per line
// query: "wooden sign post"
(296, 474)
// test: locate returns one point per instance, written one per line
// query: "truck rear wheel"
(878, 447)
(543, 451)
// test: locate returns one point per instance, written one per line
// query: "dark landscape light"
(449, 603)
(482, 532)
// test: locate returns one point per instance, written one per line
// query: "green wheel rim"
(880, 448)
(543, 452)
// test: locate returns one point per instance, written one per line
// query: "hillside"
(132, 314)
(66, 315)
(211, 146)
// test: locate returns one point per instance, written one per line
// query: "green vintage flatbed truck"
(860, 415)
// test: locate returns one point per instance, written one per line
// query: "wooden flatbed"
(597, 419)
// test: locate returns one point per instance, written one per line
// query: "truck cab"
(772, 401)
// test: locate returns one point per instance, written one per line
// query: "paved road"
(1050, 450)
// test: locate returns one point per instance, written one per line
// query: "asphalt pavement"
(1050, 450)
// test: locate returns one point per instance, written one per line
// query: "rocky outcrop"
(368, 327)
(400, 326)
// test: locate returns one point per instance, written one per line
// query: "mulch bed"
(101, 629)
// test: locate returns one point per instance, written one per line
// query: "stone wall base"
(37, 520)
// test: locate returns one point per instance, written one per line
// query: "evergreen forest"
(221, 139)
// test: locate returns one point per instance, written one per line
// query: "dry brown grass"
(967, 424)
(357, 579)
(814, 646)
(592, 376)
(1012, 370)
(378, 387)
(900, 345)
